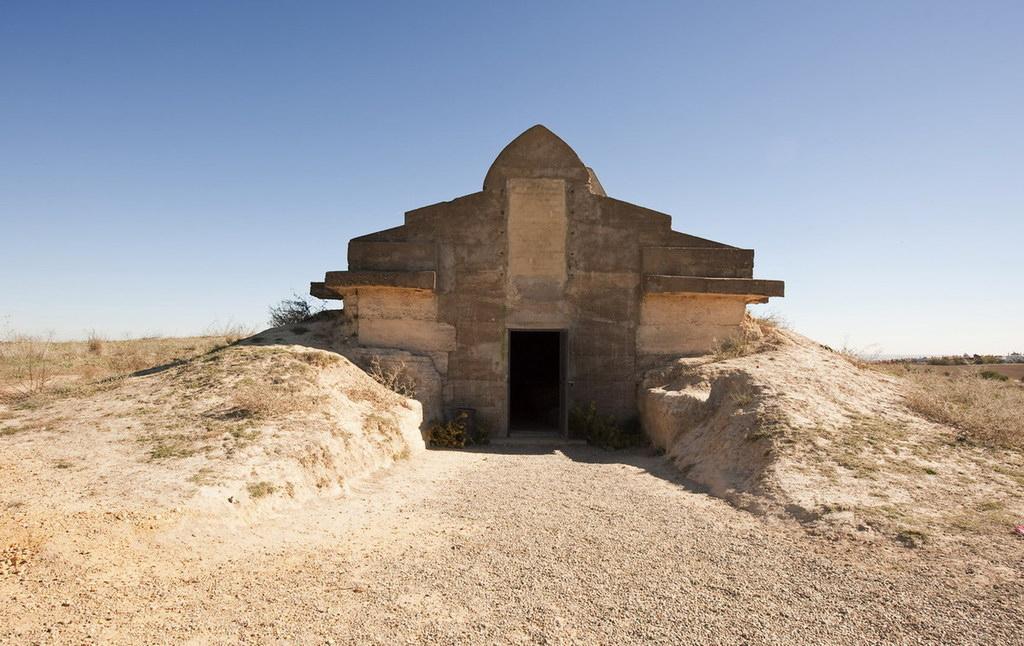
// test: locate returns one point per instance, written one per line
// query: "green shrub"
(992, 374)
(604, 431)
(456, 434)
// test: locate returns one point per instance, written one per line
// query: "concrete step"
(535, 438)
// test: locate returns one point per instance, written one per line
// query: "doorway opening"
(535, 378)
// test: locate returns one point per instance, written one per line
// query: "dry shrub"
(27, 362)
(94, 344)
(755, 334)
(984, 411)
(395, 377)
(261, 400)
(296, 309)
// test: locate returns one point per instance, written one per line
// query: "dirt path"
(459, 547)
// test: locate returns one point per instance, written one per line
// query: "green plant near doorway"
(456, 433)
(604, 431)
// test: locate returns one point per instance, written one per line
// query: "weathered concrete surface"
(543, 247)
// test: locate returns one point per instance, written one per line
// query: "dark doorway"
(535, 380)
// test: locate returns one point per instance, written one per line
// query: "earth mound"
(237, 425)
(793, 428)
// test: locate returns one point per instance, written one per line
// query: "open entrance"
(536, 400)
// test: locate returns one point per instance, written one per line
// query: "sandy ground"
(521, 546)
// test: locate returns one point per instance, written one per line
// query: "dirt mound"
(234, 426)
(796, 429)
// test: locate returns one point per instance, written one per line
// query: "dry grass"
(261, 489)
(34, 367)
(27, 365)
(984, 411)
(754, 334)
(262, 400)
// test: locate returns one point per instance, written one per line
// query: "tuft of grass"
(261, 400)
(261, 489)
(320, 359)
(171, 447)
(911, 538)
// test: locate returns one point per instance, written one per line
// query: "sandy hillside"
(223, 431)
(796, 429)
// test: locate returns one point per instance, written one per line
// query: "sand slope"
(238, 425)
(799, 430)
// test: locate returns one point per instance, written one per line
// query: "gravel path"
(495, 547)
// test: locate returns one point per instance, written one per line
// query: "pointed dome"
(538, 152)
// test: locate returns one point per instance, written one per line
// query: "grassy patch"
(986, 412)
(177, 446)
(261, 489)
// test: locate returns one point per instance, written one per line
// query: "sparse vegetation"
(261, 489)
(94, 343)
(261, 400)
(294, 310)
(394, 377)
(33, 369)
(27, 365)
(751, 337)
(991, 374)
(984, 411)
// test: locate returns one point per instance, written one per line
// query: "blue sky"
(169, 167)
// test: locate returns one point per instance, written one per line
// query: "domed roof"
(538, 152)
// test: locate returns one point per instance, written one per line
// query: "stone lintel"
(753, 288)
(395, 279)
(319, 290)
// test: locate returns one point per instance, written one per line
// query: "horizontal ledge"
(752, 287)
(319, 290)
(424, 280)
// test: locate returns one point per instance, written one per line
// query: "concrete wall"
(679, 324)
(542, 247)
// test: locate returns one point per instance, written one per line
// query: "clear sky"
(166, 167)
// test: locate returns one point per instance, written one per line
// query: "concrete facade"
(542, 247)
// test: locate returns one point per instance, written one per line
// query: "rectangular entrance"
(536, 397)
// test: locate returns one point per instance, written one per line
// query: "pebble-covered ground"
(512, 546)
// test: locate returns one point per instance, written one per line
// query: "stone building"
(540, 292)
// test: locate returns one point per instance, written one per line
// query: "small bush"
(456, 433)
(29, 363)
(604, 431)
(395, 377)
(94, 344)
(992, 374)
(292, 311)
